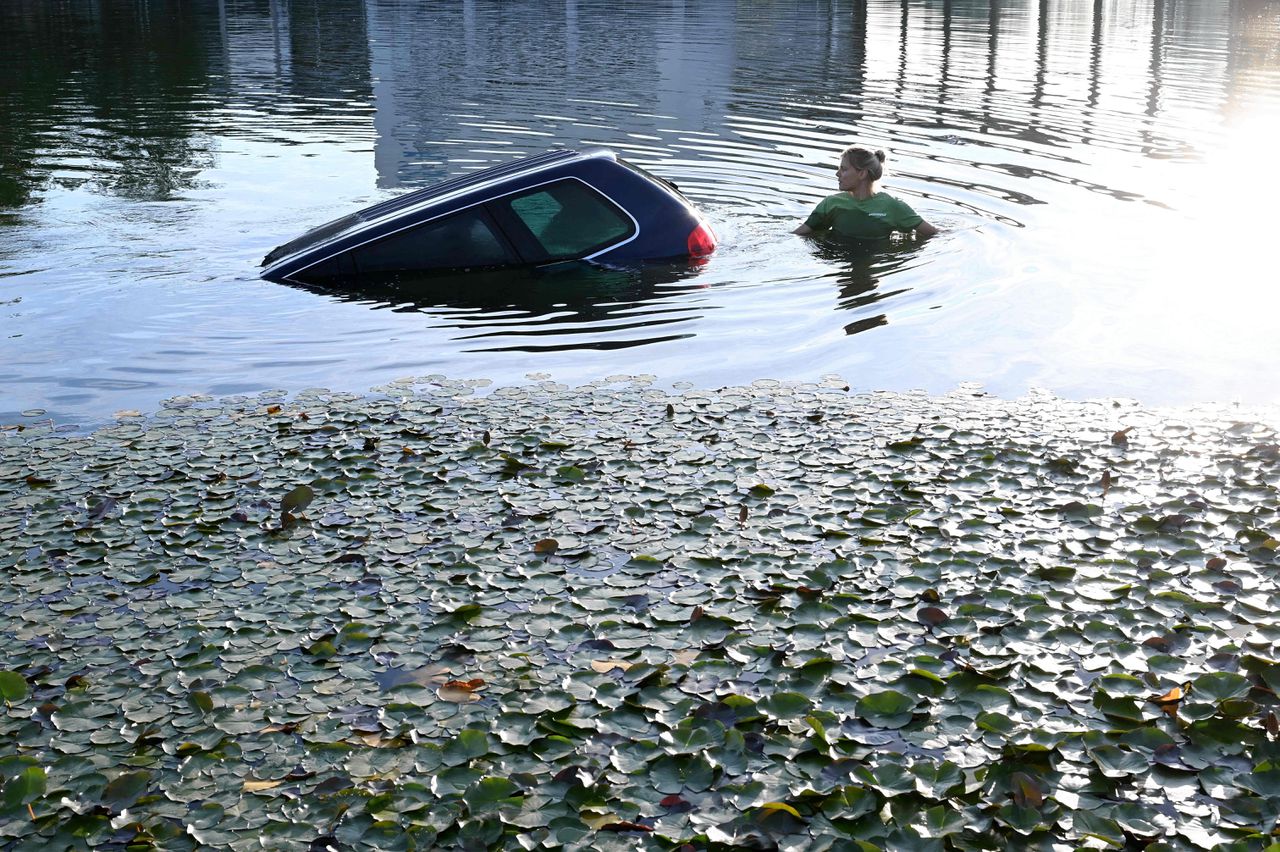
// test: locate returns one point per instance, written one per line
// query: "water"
(1103, 174)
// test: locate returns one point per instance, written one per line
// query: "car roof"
(468, 182)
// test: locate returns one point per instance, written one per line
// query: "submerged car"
(557, 206)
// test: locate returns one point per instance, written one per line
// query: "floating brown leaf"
(1026, 790)
(775, 807)
(624, 826)
(605, 666)
(931, 616)
(546, 546)
(684, 657)
(1121, 438)
(1170, 700)
(460, 691)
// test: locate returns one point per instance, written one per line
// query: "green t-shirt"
(873, 218)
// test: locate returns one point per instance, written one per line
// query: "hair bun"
(880, 155)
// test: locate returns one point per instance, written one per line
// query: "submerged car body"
(553, 207)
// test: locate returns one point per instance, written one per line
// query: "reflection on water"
(559, 308)
(861, 267)
(1079, 154)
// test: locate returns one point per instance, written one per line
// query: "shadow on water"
(860, 268)
(545, 309)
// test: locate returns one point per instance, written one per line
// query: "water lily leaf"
(200, 700)
(13, 687)
(253, 785)
(546, 546)
(297, 499)
(1116, 762)
(1021, 819)
(693, 736)
(322, 649)
(887, 709)
(468, 745)
(1090, 824)
(492, 793)
(1238, 708)
(125, 789)
(553, 748)
(1135, 819)
(25, 787)
(1123, 709)
(890, 779)
(466, 613)
(1121, 684)
(785, 705)
(850, 802)
(939, 821)
(674, 774)
(1219, 686)
(935, 780)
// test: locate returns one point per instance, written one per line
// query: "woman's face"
(847, 176)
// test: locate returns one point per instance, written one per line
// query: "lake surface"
(1103, 173)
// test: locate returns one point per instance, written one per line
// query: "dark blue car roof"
(337, 227)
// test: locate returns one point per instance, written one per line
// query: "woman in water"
(858, 211)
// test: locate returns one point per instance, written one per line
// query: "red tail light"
(701, 241)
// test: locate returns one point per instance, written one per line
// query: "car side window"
(460, 241)
(570, 219)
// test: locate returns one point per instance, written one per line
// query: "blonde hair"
(861, 157)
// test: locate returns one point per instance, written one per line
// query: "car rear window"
(463, 240)
(570, 219)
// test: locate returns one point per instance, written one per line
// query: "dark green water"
(1103, 173)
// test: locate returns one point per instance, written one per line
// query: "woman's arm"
(924, 230)
(804, 230)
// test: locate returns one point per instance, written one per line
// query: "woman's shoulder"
(836, 198)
